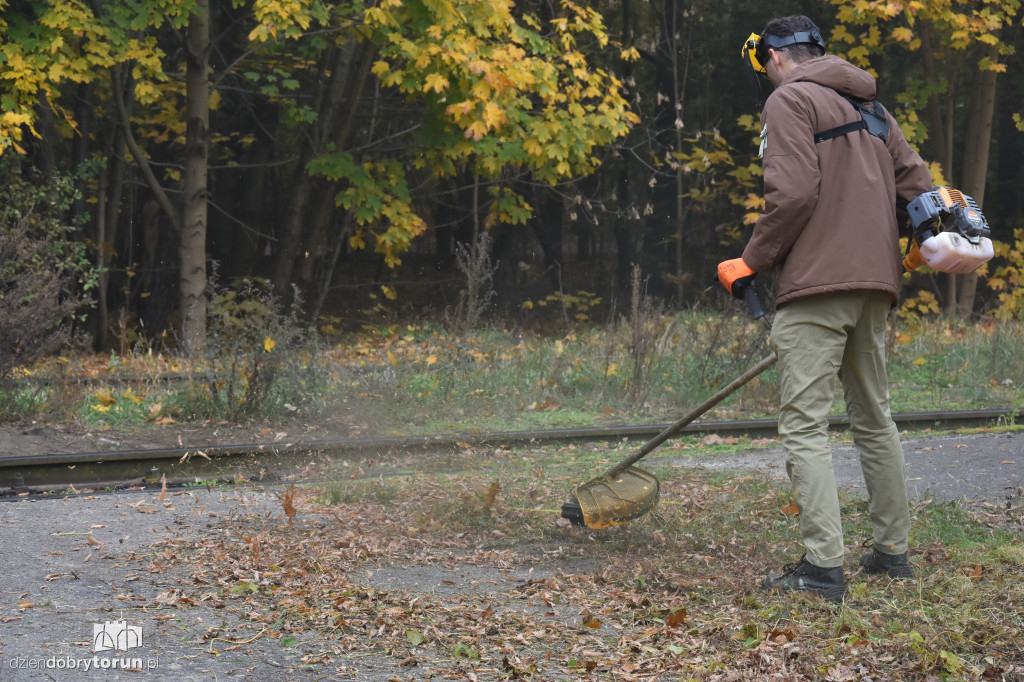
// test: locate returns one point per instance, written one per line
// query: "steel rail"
(269, 462)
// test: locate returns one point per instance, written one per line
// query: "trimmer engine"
(950, 233)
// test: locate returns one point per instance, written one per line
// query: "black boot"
(896, 566)
(803, 575)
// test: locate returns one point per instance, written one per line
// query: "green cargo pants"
(818, 338)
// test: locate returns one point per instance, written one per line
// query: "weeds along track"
(303, 461)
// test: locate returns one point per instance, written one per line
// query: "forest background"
(456, 160)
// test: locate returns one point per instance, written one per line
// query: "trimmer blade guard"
(605, 502)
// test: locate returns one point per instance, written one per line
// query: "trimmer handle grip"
(750, 297)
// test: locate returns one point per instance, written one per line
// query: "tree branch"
(140, 158)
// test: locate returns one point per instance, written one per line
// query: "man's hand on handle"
(735, 276)
(738, 279)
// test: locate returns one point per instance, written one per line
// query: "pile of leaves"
(475, 576)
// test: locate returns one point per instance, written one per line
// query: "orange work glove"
(735, 276)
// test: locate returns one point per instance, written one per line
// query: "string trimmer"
(626, 492)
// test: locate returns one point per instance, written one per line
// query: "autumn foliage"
(363, 146)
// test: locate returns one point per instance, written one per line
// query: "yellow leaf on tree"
(269, 344)
(753, 201)
(938, 178)
(902, 34)
(494, 115)
(435, 82)
(630, 55)
(532, 147)
(476, 130)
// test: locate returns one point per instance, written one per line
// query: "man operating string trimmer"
(836, 167)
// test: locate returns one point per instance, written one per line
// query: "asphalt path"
(972, 467)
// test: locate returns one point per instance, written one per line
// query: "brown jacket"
(830, 208)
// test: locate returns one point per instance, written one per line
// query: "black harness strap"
(840, 130)
(872, 120)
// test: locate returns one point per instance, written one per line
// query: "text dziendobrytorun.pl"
(136, 663)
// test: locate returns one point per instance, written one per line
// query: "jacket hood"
(835, 73)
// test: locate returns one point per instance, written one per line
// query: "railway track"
(176, 467)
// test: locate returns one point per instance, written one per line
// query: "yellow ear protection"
(755, 52)
(755, 48)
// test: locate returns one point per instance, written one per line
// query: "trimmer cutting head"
(612, 501)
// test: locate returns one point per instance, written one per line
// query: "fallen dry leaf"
(676, 617)
(715, 439)
(288, 502)
(791, 509)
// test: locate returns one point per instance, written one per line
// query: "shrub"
(43, 273)
(259, 356)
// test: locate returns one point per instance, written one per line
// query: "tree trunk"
(323, 282)
(115, 171)
(547, 226)
(979, 140)
(937, 130)
(43, 154)
(345, 91)
(679, 94)
(940, 130)
(947, 168)
(625, 233)
(108, 202)
(290, 244)
(98, 318)
(193, 226)
(328, 245)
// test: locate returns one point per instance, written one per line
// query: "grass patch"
(422, 379)
(359, 492)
